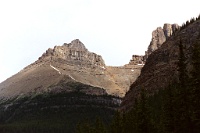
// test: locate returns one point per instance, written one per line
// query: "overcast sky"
(115, 29)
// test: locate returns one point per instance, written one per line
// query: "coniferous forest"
(175, 109)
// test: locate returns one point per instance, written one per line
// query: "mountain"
(69, 62)
(69, 84)
(66, 85)
(159, 36)
(165, 97)
(161, 67)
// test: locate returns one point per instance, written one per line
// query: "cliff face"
(159, 36)
(161, 66)
(73, 53)
(137, 59)
(71, 63)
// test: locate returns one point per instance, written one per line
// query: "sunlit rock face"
(159, 36)
(137, 59)
(74, 53)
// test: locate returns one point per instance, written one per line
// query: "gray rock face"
(168, 29)
(159, 36)
(74, 53)
(137, 59)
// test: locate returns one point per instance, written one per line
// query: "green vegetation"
(186, 24)
(174, 109)
(54, 112)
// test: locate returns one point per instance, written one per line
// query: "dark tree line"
(175, 109)
(187, 23)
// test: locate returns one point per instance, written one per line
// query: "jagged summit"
(168, 29)
(72, 53)
(159, 36)
(76, 45)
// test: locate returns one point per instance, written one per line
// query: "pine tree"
(99, 126)
(187, 23)
(195, 96)
(168, 116)
(117, 125)
(183, 100)
(192, 20)
(129, 119)
(85, 127)
(182, 66)
(143, 120)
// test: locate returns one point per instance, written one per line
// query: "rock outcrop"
(137, 59)
(73, 53)
(161, 67)
(71, 63)
(159, 36)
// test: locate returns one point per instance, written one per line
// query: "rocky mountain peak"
(168, 29)
(76, 45)
(159, 36)
(73, 53)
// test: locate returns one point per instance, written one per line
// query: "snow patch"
(55, 69)
(103, 67)
(71, 77)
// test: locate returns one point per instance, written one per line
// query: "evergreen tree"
(168, 109)
(99, 126)
(187, 23)
(182, 66)
(129, 120)
(192, 20)
(182, 97)
(117, 125)
(84, 127)
(195, 86)
(79, 128)
(143, 121)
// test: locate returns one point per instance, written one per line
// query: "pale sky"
(115, 29)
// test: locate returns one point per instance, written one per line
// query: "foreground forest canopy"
(174, 109)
